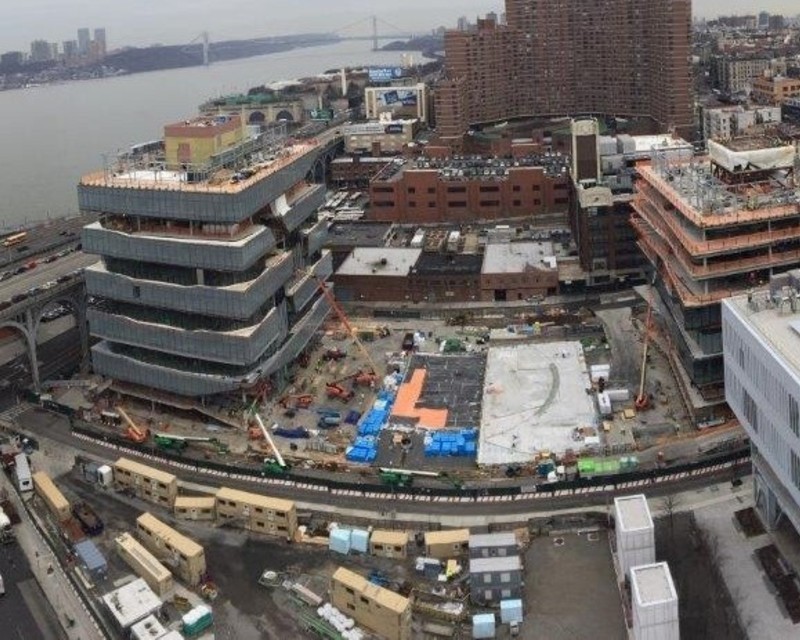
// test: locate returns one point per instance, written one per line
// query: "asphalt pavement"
(43, 238)
(54, 431)
(44, 273)
(24, 609)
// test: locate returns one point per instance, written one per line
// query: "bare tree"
(670, 504)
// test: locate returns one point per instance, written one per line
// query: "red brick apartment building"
(470, 188)
(563, 58)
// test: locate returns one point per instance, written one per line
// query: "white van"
(22, 471)
(2, 586)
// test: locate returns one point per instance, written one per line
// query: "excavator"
(338, 392)
(133, 432)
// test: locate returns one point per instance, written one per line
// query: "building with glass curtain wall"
(210, 259)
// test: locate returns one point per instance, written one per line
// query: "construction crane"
(344, 320)
(642, 401)
(133, 433)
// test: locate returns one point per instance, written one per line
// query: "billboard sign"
(385, 74)
(396, 97)
(393, 128)
(322, 114)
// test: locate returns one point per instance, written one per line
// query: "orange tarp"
(405, 405)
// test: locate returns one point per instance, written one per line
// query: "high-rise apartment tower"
(560, 57)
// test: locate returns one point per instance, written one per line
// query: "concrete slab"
(534, 396)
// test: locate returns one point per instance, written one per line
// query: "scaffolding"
(692, 188)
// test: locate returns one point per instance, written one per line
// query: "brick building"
(505, 271)
(372, 274)
(445, 277)
(469, 189)
(356, 171)
(775, 90)
(623, 57)
(518, 271)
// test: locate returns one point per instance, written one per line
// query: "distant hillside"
(135, 60)
(427, 44)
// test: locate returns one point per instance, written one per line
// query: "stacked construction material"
(365, 446)
(460, 443)
(363, 449)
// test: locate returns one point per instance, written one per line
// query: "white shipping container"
(654, 602)
(635, 533)
(604, 405)
(618, 395)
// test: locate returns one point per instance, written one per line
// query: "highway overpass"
(26, 296)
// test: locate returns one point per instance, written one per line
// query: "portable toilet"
(483, 625)
(105, 476)
(197, 620)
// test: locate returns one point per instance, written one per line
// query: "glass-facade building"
(210, 260)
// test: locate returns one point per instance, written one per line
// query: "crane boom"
(169, 436)
(137, 434)
(642, 401)
(270, 441)
(343, 317)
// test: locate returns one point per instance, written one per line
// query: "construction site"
(431, 403)
(714, 226)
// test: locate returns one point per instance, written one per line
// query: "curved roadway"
(47, 426)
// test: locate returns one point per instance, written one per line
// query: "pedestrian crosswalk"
(10, 415)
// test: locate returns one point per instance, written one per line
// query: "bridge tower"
(374, 33)
(205, 48)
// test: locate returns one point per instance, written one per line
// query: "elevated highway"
(25, 297)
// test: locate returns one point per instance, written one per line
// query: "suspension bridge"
(372, 29)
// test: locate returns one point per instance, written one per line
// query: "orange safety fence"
(405, 405)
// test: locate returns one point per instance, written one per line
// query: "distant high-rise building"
(622, 58)
(70, 49)
(463, 23)
(776, 23)
(12, 59)
(100, 41)
(84, 41)
(41, 51)
(763, 19)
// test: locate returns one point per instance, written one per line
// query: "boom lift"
(276, 465)
(642, 401)
(170, 442)
(134, 433)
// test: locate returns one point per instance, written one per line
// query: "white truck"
(22, 472)
(6, 532)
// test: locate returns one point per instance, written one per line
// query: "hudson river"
(51, 135)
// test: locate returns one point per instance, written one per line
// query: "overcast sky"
(142, 22)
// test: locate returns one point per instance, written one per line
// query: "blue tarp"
(461, 442)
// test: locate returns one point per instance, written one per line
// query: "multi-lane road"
(43, 274)
(44, 238)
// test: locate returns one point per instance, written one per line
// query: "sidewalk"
(50, 575)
